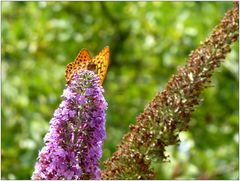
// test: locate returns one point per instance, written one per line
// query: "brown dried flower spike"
(170, 111)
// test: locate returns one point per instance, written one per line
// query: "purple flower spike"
(73, 144)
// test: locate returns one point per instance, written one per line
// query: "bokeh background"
(148, 42)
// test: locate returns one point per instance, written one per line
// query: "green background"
(148, 42)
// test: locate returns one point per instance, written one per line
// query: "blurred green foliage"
(148, 41)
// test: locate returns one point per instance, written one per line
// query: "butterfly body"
(98, 64)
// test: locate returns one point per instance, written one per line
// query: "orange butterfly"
(98, 64)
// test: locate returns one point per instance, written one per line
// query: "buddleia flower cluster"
(73, 144)
(169, 112)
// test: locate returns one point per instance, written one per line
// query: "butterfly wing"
(79, 63)
(99, 64)
(102, 62)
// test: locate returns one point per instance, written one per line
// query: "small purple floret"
(73, 144)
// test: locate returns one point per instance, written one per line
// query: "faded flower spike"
(170, 110)
(73, 144)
